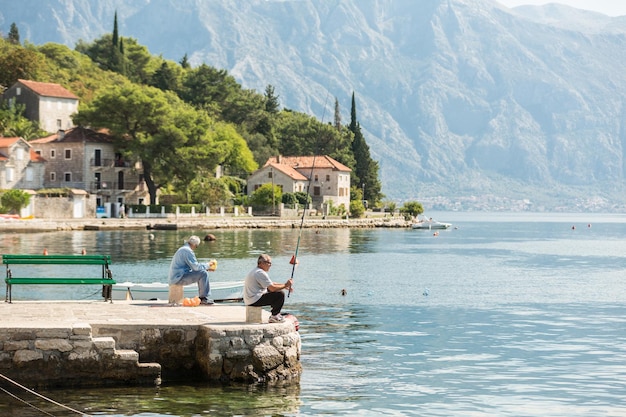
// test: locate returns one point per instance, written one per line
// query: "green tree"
(272, 104)
(14, 200)
(337, 119)
(166, 77)
(14, 34)
(366, 172)
(265, 196)
(167, 136)
(184, 62)
(14, 124)
(357, 209)
(411, 209)
(20, 63)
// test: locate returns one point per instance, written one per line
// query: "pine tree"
(272, 105)
(366, 168)
(14, 34)
(185, 62)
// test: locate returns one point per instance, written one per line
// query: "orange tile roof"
(304, 162)
(48, 89)
(289, 171)
(5, 143)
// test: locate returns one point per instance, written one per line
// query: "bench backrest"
(56, 259)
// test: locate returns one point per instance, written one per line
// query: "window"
(316, 191)
(53, 176)
(18, 91)
(269, 174)
(38, 152)
(53, 153)
(316, 178)
(68, 177)
(29, 174)
(9, 174)
(68, 154)
(59, 124)
(327, 177)
(19, 154)
(97, 157)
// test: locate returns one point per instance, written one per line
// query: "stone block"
(176, 294)
(254, 314)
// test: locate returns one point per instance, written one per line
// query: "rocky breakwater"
(227, 353)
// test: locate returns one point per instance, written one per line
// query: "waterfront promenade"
(200, 222)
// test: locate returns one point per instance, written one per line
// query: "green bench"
(106, 280)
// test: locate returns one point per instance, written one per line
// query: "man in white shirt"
(259, 290)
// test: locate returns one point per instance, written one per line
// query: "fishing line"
(38, 395)
(294, 259)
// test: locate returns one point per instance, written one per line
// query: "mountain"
(464, 103)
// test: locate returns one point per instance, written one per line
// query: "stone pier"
(93, 343)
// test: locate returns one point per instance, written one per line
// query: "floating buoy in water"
(209, 237)
(344, 292)
(573, 227)
(436, 234)
(589, 225)
(426, 292)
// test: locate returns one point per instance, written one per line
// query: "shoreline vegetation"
(200, 222)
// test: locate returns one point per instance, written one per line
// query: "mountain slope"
(456, 98)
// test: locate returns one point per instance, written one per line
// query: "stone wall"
(70, 357)
(244, 353)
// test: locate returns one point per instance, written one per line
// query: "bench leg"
(176, 294)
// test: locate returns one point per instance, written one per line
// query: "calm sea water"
(502, 315)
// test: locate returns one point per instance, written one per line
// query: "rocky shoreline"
(200, 222)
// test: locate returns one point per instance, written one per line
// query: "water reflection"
(179, 400)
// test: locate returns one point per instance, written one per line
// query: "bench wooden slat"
(56, 259)
(55, 280)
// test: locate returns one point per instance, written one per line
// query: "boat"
(423, 223)
(220, 291)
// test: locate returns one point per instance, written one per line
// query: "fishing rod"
(294, 258)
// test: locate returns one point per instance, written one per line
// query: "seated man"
(185, 270)
(259, 290)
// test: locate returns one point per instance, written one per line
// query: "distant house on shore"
(20, 166)
(86, 159)
(328, 179)
(51, 105)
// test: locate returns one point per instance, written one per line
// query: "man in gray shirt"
(259, 290)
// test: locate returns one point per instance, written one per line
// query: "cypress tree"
(337, 116)
(366, 168)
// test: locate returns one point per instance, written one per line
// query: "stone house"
(51, 105)
(82, 158)
(329, 179)
(20, 166)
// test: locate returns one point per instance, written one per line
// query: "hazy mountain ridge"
(455, 97)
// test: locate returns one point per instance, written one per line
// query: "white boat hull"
(426, 225)
(160, 291)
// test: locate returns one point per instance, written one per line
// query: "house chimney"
(278, 159)
(61, 134)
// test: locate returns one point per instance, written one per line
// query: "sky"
(608, 7)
